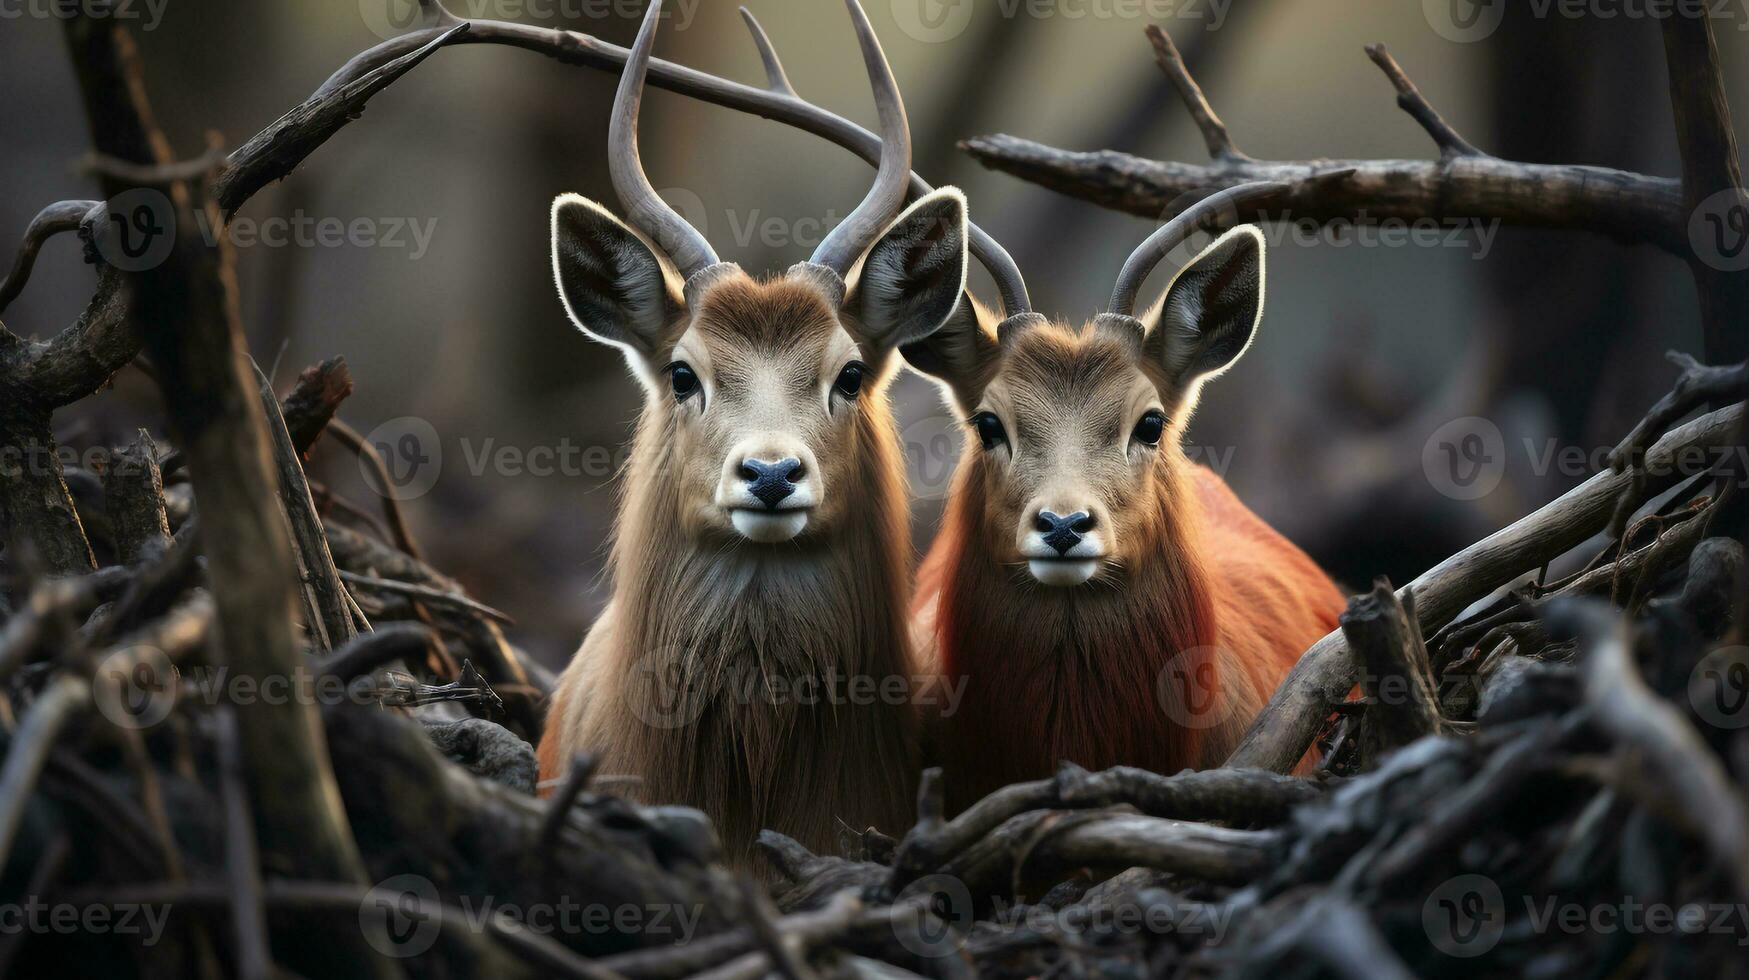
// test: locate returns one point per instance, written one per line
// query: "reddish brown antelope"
(1104, 599)
(761, 553)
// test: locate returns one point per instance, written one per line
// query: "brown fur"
(673, 683)
(1162, 660)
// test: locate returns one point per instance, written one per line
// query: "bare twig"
(1410, 99)
(248, 910)
(434, 596)
(1214, 132)
(51, 221)
(29, 749)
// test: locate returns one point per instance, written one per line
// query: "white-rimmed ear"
(1208, 316)
(913, 275)
(613, 286)
(961, 355)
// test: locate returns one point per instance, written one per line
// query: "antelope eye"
(1149, 429)
(849, 382)
(683, 379)
(990, 430)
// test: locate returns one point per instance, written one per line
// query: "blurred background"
(440, 295)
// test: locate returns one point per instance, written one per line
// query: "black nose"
(771, 482)
(1063, 533)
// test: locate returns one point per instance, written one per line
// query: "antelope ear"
(1208, 316)
(613, 286)
(913, 276)
(961, 355)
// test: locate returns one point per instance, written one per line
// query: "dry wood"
(1326, 671)
(1465, 184)
(1710, 165)
(1395, 673)
(133, 496)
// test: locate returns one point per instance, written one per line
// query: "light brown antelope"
(1104, 599)
(761, 552)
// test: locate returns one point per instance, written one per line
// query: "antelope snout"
(768, 486)
(1062, 543)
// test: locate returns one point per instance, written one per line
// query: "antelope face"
(1074, 432)
(768, 396)
(768, 391)
(765, 396)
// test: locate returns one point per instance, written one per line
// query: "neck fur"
(1095, 674)
(747, 669)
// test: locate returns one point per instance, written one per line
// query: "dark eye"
(1149, 429)
(990, 430)
(849, 381)
(684, 380)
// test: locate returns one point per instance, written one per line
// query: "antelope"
(1105, 600)
(761, 552)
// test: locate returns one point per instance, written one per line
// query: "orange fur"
(1161, 663)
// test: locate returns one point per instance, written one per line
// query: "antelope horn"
(846, 243)
(1169, 236)
(685, 246)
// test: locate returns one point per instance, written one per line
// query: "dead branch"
(1676, 773)
(1214, 131)
(51, 221)
(1396, 674)
(1698, 385)
(1465, 184)
(1710, 166)
(133, 495)
(332, 619)
(1325, 672)
(29, 750)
